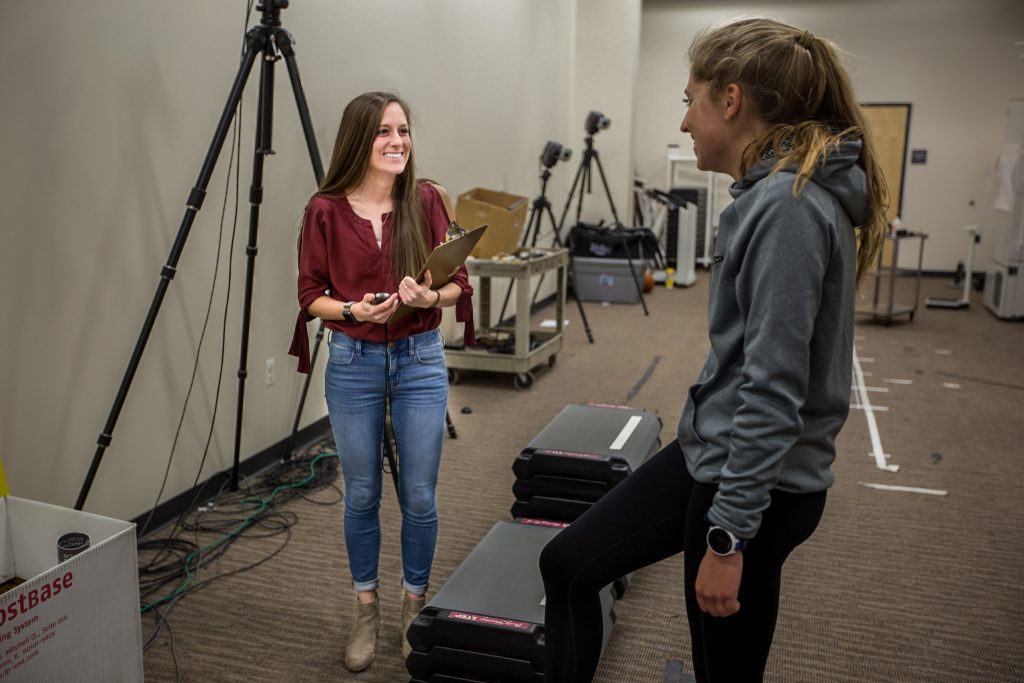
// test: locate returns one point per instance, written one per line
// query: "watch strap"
(346, 313)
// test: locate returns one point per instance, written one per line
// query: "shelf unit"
(888, 311)
(522, 361)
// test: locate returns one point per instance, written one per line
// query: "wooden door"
(890, 127)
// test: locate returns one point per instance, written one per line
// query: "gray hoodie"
(775, 388)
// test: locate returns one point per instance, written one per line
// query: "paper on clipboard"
(443, 263)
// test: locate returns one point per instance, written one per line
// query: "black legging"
(655, 513)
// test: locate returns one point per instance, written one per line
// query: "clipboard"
(443, 263)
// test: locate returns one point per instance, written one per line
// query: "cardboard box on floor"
(74, 621)
(504, 213)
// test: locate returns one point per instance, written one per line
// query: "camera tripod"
(583, 173)
(538, 209)
(270, 41)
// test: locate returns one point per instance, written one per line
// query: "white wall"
(955, 61)
(607, 60)
(108, 114)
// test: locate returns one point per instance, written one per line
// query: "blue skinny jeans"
(417, 380)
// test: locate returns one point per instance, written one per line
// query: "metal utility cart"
(523, 359)
(888, 311)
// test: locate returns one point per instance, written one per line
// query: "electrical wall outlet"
(270, 371)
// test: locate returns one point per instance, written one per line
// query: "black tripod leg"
(284, 43)
(290, 448)
(264, 131)
(544, 206)
(558, 233)
(451, 425)
(568, 200)
(585, 187)
(193, 205)
(534, 214)
(622, 238)
(389, 455)
(579, 304)
(572, 279)
(607, 192)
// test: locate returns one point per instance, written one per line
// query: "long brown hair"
(349, 163)
(798, 86)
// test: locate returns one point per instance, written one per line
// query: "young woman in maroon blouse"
(369, 230)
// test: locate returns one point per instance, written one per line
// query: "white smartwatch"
(723, 542)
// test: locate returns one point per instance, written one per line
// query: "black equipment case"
(487, 622)
(579, 456)
(609, 241)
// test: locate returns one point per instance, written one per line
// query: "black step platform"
(547, 507)
(556, 486)
(595, 442)
(487, 622)
(579, 456)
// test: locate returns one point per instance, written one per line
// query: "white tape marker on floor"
(865, 402)
(905, 489)
(944, 352)
(877, 409)
(898, 381)
(883, 390)
(950, 385)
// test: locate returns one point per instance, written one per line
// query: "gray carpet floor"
(896, 585)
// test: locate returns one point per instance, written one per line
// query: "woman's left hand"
(718, 583)
(416, 294)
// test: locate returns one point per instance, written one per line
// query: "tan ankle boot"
(410, 610)
(363, 640)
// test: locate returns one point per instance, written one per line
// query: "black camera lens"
(553, 153)
(596, 121)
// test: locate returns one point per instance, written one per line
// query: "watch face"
(719, 541)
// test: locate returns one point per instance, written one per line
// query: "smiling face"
(721, 124)
(706, 122)
(392, 143)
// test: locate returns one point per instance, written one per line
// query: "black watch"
(346, 313)
(723, 542)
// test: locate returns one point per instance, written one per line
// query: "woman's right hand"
(367, 311)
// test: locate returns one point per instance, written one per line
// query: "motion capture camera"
(596, 121)
(553, 153)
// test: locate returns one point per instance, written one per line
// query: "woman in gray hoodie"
(746, 480)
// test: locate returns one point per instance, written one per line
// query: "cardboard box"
(74, 621)
(607, 279)
(503, 213)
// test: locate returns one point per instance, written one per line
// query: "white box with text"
(74, 621)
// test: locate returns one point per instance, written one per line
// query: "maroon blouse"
(339, 258)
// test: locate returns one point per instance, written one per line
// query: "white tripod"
(973, 237)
